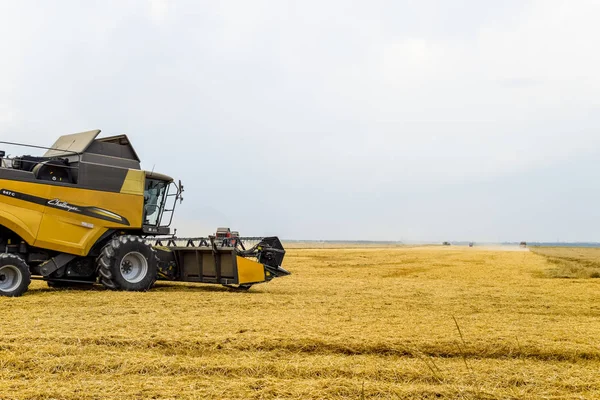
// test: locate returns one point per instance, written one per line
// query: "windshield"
(154, 201)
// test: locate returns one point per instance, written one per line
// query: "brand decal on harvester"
(63, 204)
(93, 212)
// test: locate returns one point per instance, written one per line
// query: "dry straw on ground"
(349, 323)
(571, 262)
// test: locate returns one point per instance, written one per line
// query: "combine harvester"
(86, 213)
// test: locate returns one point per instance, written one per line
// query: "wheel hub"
(10, 278)
(127, 267)
(134, 267)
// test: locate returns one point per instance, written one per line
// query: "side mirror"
(2, 153)
(179, 192)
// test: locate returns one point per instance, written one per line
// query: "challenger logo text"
(63, 205)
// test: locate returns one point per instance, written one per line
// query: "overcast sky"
(396, 120)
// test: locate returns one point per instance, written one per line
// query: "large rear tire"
(15, 276)
(128, 263)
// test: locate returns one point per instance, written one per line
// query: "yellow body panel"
(62, 230)
(73, 238)
(134, 182)
(249, 271)
(24, 222)
(21, 217)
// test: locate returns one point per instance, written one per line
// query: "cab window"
(154, 201)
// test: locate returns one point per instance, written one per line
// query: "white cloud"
(158, 10)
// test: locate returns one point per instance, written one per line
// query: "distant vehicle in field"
(446, 244)
(471, 244)
(523, 244)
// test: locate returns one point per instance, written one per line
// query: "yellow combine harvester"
(85, 212)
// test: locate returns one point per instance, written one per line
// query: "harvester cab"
(160, 199)
(85, 213)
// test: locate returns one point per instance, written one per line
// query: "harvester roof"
(79, 143)
(160, 177)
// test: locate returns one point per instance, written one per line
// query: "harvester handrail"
(69, 152)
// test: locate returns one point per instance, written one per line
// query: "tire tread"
(106, 262)
(20, 263)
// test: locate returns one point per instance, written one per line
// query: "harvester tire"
(128, 263)
(15, 276)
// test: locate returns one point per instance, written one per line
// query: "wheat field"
(571, 262)
(423, 322)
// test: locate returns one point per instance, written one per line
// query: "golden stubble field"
(349, 323)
